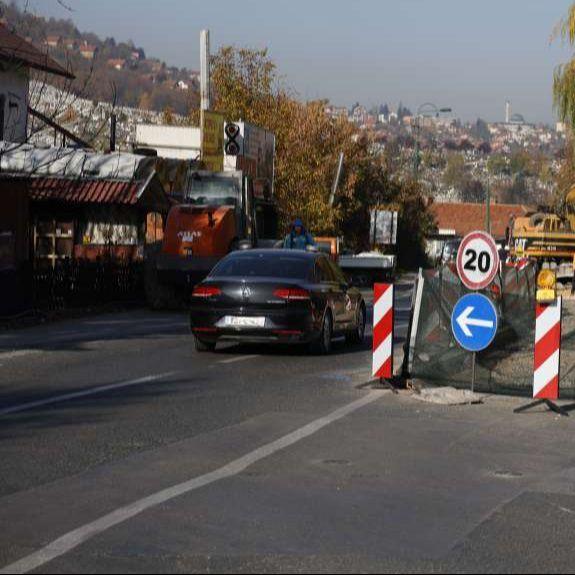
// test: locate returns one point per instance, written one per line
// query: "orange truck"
(220, 212)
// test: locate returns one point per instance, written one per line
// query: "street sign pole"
(474, 325)
(474, 317)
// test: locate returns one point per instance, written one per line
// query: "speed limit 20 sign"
(477, 260)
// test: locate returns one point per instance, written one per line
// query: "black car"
(283, 296)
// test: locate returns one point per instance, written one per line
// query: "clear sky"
(468, 54)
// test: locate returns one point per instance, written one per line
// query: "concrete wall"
(13, 102)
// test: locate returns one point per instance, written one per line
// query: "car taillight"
(292, 294)
(206, 291)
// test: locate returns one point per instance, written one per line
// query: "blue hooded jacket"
(294, 241)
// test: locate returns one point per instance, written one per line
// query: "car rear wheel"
(203, 346)
(322, 346)
(358, 334)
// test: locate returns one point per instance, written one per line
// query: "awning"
(147, 194)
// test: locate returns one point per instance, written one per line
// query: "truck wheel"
(203, 346)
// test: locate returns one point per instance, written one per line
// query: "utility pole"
(113, 122)
(205, 83)
(336, 180)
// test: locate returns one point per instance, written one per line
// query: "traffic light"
(232, 146)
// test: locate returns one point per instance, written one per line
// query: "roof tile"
(84, 191)
(466, 217)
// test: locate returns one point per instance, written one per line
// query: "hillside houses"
(86, 117)
(88, 51)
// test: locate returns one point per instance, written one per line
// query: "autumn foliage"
(247, 87)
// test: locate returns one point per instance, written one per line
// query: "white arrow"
(465, 321)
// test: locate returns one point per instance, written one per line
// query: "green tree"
(498, 164)
(520, 162)
(564, 75)
(455, 174)
(376, 186)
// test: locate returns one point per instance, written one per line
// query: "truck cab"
(220, 212)
(255, 211)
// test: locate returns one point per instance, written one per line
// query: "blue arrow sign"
(474, 322)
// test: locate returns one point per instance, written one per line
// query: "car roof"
(277, 252)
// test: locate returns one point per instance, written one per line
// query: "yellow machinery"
(547, 238)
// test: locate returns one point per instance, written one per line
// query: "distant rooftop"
(16, 49)
(462, 218)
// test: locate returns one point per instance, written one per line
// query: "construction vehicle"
(220, 212)
(215, 213)
(547, 238)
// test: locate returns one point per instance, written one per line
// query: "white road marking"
(74, 538)
(240, 358)
(83, 393)
(18, 353)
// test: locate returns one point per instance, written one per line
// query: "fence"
(507, 365)
(83, 283)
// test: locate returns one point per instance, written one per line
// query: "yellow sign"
(212, 127)
(213, 163)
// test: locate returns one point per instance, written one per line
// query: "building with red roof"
(458, 219)
(455, 220)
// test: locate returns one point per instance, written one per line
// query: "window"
(214, 191)
(14, 121)
(337, 273)
(260, 265)
(323, 272)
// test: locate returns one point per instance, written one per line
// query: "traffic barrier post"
(382, 366)
(547, 356)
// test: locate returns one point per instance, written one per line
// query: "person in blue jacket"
(298, 238)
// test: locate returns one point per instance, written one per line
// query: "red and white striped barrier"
(547, 350)
(383, 331)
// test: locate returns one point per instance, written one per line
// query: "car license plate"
(245, 321)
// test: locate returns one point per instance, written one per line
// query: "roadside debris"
(448, 396)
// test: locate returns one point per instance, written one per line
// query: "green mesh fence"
(507, 365)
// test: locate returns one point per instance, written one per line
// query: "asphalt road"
(124, 450)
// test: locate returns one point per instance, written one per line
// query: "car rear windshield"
(260, 265)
